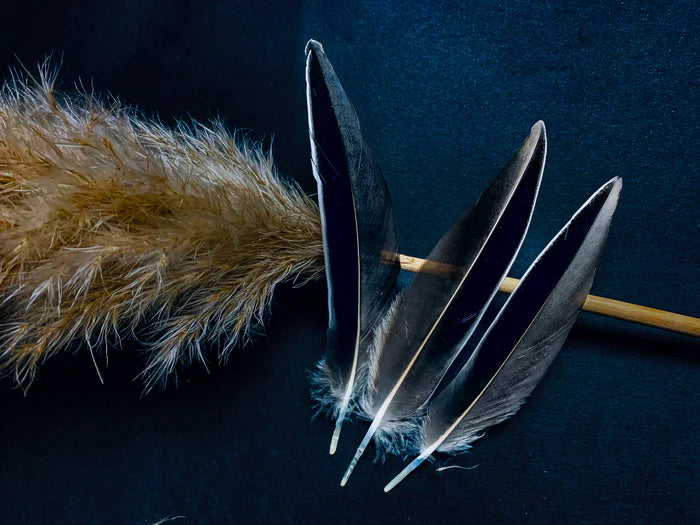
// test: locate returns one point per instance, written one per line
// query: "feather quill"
(112, 223)
(438, 312)
(359, 238)
(525, 337)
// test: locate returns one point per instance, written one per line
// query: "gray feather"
(359, 239)
(525, 337)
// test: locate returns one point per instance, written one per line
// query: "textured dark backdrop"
(445, 95)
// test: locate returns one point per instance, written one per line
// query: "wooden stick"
(635, 313)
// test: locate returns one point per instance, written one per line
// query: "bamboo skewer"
(634, 313)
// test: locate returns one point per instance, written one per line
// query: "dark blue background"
(445, 94)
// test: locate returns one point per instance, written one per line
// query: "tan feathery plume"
(110, 222)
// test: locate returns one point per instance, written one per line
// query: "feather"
(525, 337)
(359, 238)
(112, 223)
(439, 310)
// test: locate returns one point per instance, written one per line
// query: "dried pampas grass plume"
(112, 223)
